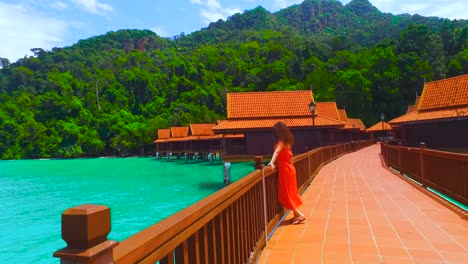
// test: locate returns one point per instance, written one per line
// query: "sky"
(28, 24)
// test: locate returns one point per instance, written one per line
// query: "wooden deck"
(359, 212)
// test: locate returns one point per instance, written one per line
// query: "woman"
(287, 187)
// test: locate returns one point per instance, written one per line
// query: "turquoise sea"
(139, 191)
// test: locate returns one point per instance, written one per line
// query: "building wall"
(261, 142)
(452, 134)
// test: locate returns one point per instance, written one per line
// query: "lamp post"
(383, 130)
(312, 111)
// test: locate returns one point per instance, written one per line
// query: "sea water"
(139, 192)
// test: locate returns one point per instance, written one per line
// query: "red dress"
(288, 195)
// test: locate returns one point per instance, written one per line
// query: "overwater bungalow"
(176, 144)
(381, 130)
(350, 132)
(439, 117)
(162, 143)
(197, 141)
(253, 114)
(202, 139)
(361, 133)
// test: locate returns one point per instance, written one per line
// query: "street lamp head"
(312, 108)
(382, 116)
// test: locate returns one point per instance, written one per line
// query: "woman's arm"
(278, 149)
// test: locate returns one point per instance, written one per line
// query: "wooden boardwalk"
(359, 212)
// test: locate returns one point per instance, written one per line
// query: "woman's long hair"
(283, 133)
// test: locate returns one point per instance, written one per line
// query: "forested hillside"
(108, 95)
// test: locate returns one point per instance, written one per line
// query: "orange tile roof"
(349, 124)
(328, 109)
(164, 133)
(258, 110)
(448, 92)
(414, 107)
(264, 123)
(219, 121)
(343, 115)
(268, 104)
(202, 129)
(357, 122)
(416, 102)
(241, 135)
(438, 114)
(199, 132)
(411, 108)
(179, 132)
(193, 138)
(442, 99)
(378, 127)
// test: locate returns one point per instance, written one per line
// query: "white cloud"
(24, 29)
(285, 3)
(212, 10)
(160, 31)
(455, 9)
(59, 5)
(93, 7)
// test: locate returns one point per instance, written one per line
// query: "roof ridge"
(283, 91)
(269, 117)
(450, 107)
(333, 119)
(443, 93)
(449, 78)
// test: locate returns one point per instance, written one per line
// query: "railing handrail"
(446, 154)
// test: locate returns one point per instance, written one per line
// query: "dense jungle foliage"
(108, 95)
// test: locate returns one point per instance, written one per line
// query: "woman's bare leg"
(297, 213)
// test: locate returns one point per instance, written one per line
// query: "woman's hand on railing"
(273, 167)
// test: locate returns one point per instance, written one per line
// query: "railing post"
(227, 173)
(399, 158)
(85, 229)
(258, 162)
(211, 158)
(465, 180)
(421, 161)
(260, 166)
(308, 161)
(316, 160)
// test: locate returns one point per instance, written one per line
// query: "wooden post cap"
(85, 226)
(259, 162)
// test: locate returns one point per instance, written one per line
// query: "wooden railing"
(229, 226)
(444, 172)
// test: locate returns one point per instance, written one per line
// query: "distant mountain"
(359, 20)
